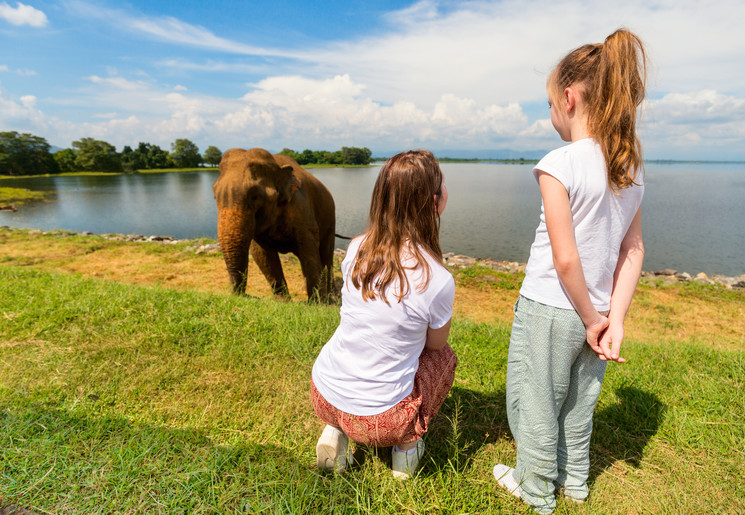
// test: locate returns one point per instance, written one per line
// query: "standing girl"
(387, 369)
(583, 268)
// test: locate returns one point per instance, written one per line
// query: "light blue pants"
(553, 383)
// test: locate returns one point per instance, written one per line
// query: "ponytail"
(612, 78)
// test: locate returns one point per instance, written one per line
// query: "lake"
(693, 214)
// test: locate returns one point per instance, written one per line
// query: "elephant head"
(250, 192)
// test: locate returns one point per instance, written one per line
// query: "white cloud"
(703, 118)
(176, 31)
(211, 66)
(21, 71)
(22, 115)
(540, 129)
(416, 13)
(117, 82)
(277, 112)
(338, 111)
(179, 87)
(170, 30)
(696, 107)
(23, 14)
(28, 101)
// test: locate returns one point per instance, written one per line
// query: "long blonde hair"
(612, 80)
(403, 218)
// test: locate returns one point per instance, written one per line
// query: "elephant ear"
(293, 184)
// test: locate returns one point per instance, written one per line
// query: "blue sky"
(388, 75)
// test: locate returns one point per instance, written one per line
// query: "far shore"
(169, 170)
(378, 161)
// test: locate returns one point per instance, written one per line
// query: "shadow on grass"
(466, 421)
(622, 431)
(85, 462)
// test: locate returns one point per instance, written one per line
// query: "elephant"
(270, 205)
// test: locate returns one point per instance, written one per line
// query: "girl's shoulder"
(439, 273)
(352, 250)
(355, 243)
(567, 157)
(572, 150)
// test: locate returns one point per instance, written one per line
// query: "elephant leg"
(267, 259)
(326, 289)
(310, 262)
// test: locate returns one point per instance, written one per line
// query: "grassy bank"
(94, 174)
(19, 196)
(130, 381)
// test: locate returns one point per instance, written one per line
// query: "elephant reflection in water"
(270, 205)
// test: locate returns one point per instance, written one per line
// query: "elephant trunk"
(235, 229)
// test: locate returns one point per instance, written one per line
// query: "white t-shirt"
(600, 218)
(368, 365)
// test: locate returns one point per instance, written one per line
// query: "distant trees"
(92, 155)
(25, 154)
(356, 156)
(157, 158)
(185, 154)
(345, 156)
(145, 157)
(212, 155)
(65, 159)
(131, 161)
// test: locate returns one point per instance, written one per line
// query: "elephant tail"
(342, 237)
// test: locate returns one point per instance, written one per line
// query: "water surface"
(692, 213)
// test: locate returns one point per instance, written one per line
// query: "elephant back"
(318, 196)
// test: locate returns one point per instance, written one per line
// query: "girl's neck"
(579, 134)
(578, 125)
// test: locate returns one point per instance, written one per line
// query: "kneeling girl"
(387, 369)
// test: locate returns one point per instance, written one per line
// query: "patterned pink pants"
(408, 420)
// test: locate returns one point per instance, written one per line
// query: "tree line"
(345, 156)
(27, 154)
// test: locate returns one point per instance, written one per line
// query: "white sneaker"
(332, 450)
(403, 464)
(503, 475)
(575, 500)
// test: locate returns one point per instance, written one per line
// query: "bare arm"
(437, 338)
(566, 256)
(625, 279)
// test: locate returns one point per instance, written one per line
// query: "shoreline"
(451, 259)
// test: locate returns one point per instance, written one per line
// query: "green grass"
(164, 170)
(19, 196)
(481, 277)
(127, 399)
(83, 174)
(67, 174)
